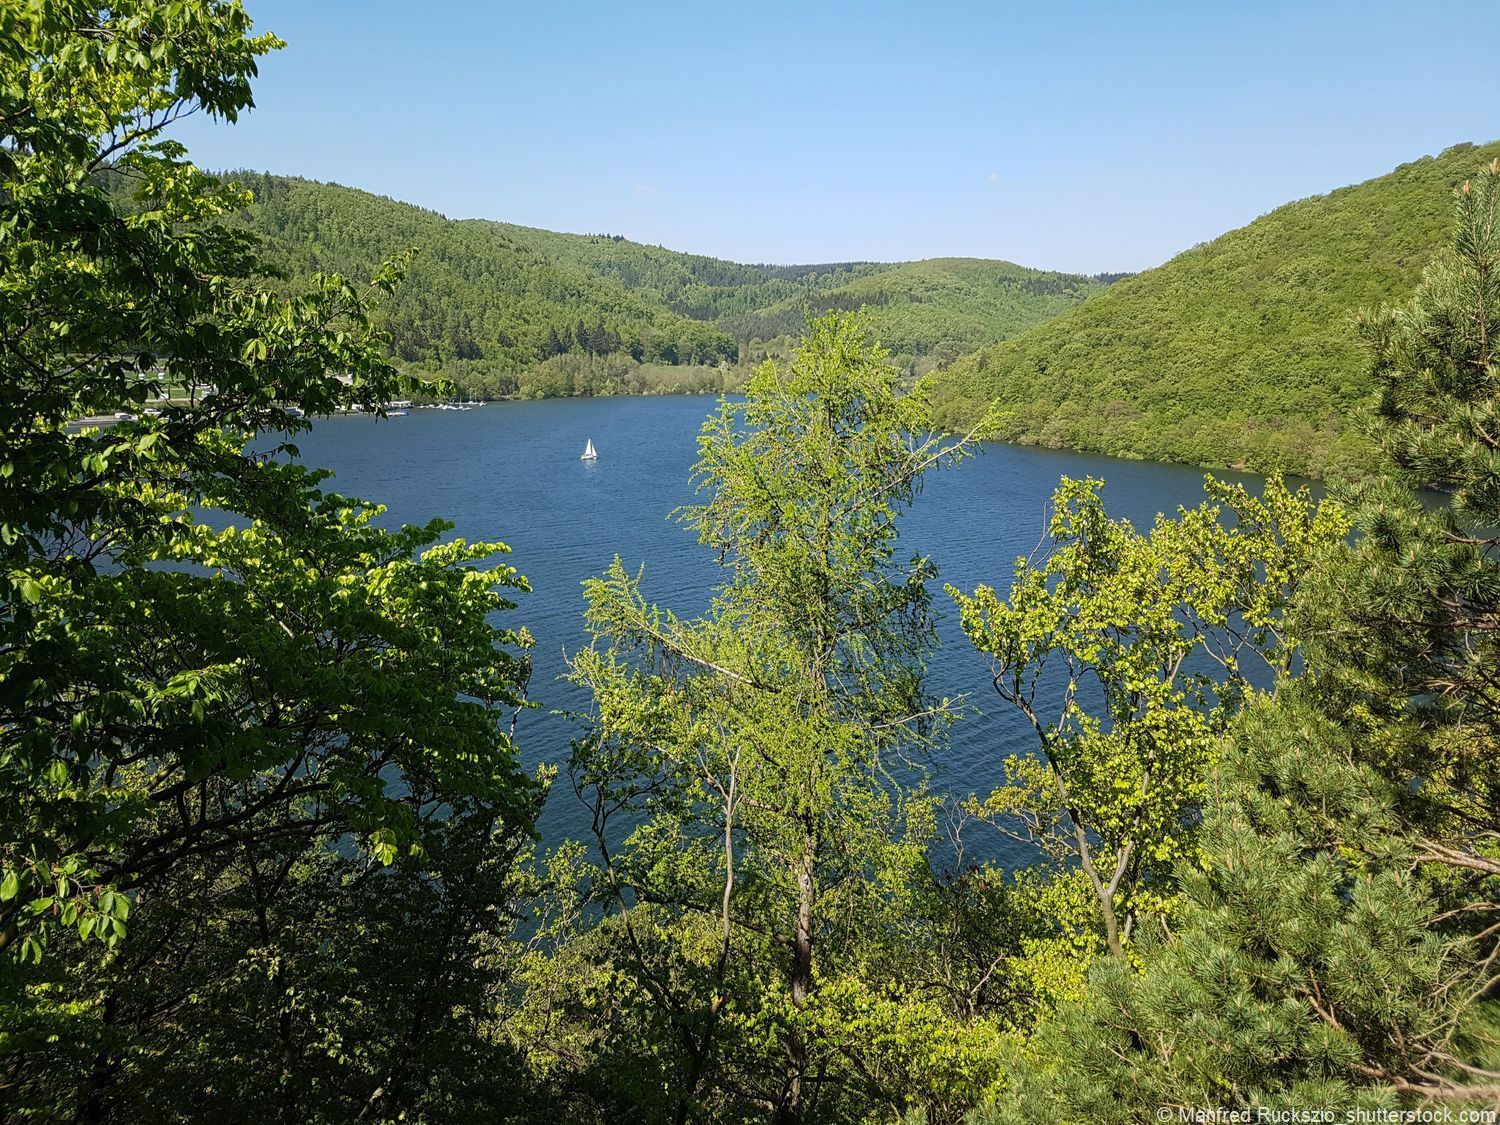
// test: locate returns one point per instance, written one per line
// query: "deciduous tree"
(1126, 653)
(208, 665)
(763, 749)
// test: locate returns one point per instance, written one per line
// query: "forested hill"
(480, 303)
(506, 309)
(1240, 352)
(939, 308)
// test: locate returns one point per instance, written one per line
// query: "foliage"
(1311, 964)
(481, 302)
(225, 695)
(1406, 627)
(1336, 944)
(691, 285)
(486, 302)
(567, 375)
(764, 754)
(265, 846)
(936, 309)
(277, 980)
(1241, 352)
(1142, 640)
(1422, 594)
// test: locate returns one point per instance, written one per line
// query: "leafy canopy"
(765, 752)
(198, 647)
(1139, 640)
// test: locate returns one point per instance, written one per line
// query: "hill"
(478, 304)
(505, 309)
(692, 285)
(1241, 352)
(938, 308)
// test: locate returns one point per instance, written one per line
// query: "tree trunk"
(93, 1098)
(789, 1108)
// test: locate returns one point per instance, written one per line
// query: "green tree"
(1417, 608)
(761, 748)
(205, 660)
(1142, 639)
(1310, 964)
(1336, 943)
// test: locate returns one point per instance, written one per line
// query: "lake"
(511, 471)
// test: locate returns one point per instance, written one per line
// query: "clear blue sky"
(1076, 136)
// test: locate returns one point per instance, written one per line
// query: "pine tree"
(1337, 944)
(1310, 965)
(1411, 624)
(1422, 597)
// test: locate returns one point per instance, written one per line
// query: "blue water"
(511, 471)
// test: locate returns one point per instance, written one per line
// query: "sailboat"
(588, 452)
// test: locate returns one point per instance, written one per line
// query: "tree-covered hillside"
(694, 285)
(477, 303)
(494, 306)
(1240, 352)
(938, 308)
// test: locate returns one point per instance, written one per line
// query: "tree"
(1408, 627)
(599, 342)
(1310, 965)
(1143, 639)
(1336, 944)
(1416, 612)
(204, 658)
(761, 748)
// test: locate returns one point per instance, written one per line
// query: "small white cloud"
(645, 191)
(993, 179)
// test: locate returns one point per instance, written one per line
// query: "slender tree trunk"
(1104, 893)
(1111, 926)
(705, 1045)
(789, 1109)
(93, 1099)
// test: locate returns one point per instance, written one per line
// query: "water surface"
(511, 471)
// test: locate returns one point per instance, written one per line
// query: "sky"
(1063, 135)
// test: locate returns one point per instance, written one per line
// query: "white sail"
(588, 452)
